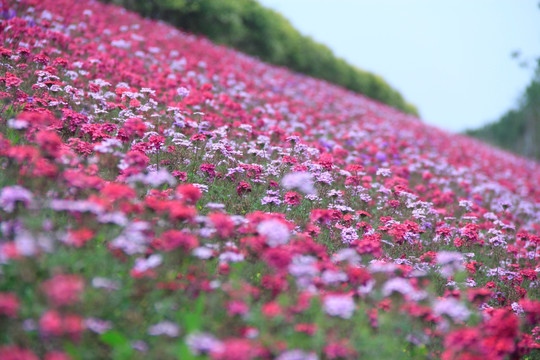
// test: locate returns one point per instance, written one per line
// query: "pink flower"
(237, 307)
(172, 239)
(243, 188)
(9, 304)
(64, 289)
(51, 323)
(293, 198)
(12, 352)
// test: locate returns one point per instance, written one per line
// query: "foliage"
(518, 130)
(250, 27)
(162, 197)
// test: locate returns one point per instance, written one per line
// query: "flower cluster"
(165, 197)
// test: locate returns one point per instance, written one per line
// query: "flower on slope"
(275, 232)
(340, 305)
(11, 195)
(64, 289)
(450, 262)
(167, 328)
(299, 180)
(297, 355)
(9, 304)
(451, 308)
(203, 343)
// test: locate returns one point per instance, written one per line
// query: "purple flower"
(399, 285)
(384, 172)
(230, 257)
(339, 305)
(451, 262)
(104, 283)
(348, 235)
(139, 345)
(202, 343)
(297, 355)
(142, 264)
(271, 199)
(10, 195)
(325, 177)
(164, 328)
(299, 180)
(98, 326)
(451, 308)
(333, 277)
(182, 92)
(275, 232)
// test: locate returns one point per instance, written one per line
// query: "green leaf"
(113, 338)
(72, 350)
(183, 352)
(193, 320)
(120, 345)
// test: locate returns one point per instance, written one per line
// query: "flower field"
(162, 197)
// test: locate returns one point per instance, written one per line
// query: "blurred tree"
(518, 129)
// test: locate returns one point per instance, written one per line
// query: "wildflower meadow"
(162, 197)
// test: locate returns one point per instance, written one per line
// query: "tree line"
(518, 130)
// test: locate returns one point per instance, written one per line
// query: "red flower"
(115, 191)
(339, 350)
(277, 257)
(134, 127)
(189, 193)
(293, 198)
(57, 355)
(12, 352)
(180, 175)
(64, 289)
(271, 309)
(370, 244)
(73, 326)
(243, 188)
(223, 224)
(51, 323)
(237, 307)
(209, 169)
(237, 349)
(9, 304)
(173, 239)
(79, 237)
(309, 329)
(11, 80)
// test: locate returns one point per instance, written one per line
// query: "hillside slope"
(162, 197)
(254, 29)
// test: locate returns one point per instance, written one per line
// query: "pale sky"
(449, 58)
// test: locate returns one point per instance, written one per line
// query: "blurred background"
(464, 66)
